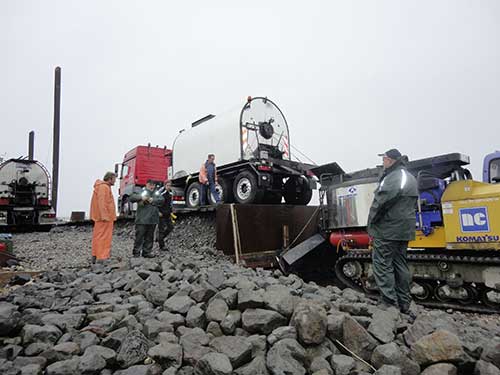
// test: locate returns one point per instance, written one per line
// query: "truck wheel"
(193, 195)
(246, 189)
(224, 190)
(125, 210)
(297, 191)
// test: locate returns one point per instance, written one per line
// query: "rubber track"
(364, 256)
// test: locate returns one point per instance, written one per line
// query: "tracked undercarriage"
(469, 281)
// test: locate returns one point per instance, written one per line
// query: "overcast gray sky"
(353, 78)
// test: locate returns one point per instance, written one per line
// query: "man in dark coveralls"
(146, 218)
(165, 224)
(391, 223)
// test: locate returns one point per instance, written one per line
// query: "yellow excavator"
(455, 258)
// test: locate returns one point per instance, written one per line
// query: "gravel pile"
(70, 247)
(192, 312)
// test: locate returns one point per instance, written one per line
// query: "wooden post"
(286, 236)
(236, 236)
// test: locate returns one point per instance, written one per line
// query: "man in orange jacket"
(208, 180)
(103, 214)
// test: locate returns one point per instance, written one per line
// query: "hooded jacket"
(393, 211)
(102, 205)
(147, 212)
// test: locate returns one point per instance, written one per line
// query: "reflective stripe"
(381, 184)
(403, 178)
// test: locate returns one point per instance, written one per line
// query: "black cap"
(150, 181)
(392, 154)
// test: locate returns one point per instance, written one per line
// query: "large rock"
(440, 369)
(152, 328)
(140, 370)
(229, 295)
(383, 325)
(216, 278)
(342, 364)
(214, 364)
(157, 296)
(178, 304)
(193, 345)
(202, 292)
(174, 320)
(91, 363)
(196, 318)
(262, 321)
(320, 364)
(425, 324)
(357, 339)
(64, 321)
(134, 349)
(68, 367)
(286, 357)
(61, 352)
(278, 298)
(335, 330)
(217, 310)
(238, 349)
(249, 299)
(109, 355)
(230, 322)
(47, 333)
(167, 355)
(388, 370)
(486, 368)
(280, 333)
(391, 354)
(256, 367)
(311, 323)
(440, 346)
(491, 352)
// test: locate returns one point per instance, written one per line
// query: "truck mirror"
(116, 169)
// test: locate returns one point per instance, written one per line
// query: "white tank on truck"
(24, 194)
(253, 157)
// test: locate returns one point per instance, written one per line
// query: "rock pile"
(191, 313)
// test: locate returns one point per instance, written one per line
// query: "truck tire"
(246, 189)
(193, 195)
(224, 190)
(126, 209)
(297, 191)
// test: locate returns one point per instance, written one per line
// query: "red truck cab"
(139, 165)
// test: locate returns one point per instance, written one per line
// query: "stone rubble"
(190, 311)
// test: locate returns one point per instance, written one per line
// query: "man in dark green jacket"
(146, 219)
(392, 223)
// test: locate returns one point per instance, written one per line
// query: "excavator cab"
(491, 168)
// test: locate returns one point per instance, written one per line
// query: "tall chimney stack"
(31, 146)
(55, 143)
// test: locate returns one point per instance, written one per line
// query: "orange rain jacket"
(203, 177)
(102, 206)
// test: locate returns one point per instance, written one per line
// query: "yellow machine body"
(471, 217)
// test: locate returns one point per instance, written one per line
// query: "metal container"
(349, 203)
(244, 133)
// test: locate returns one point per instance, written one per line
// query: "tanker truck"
(253, 157)
(24, 195)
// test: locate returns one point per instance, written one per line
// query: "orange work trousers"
(101, 239)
